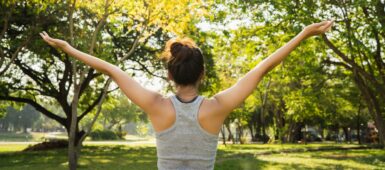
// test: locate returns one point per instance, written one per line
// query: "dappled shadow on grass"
(300, 159)
(92, 157)
(228, 160)
(115, 157)
(373, 157)
(119, 157)
(265, 149)
(33, 160)
(254, 163)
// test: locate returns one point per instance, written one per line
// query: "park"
(192, 84)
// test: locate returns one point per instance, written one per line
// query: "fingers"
(328, 26)
(44, 34)
(46, 37)
(330, 23)
(320, 24)
(323, 23)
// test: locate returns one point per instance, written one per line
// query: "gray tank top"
(186, 145)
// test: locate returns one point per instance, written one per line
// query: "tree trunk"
(337, 131)
(73, 124)
(264, 136)
(230, 136)
(347, 135)
(305, 135)
(251, 132)
(358, 124)
(381, 128)
(280, 123)
(264, 101)
(240, 133)
(223, 132)
(374, 106)
(73, 151)
(370, 87)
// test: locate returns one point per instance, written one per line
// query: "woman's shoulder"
(210, 104)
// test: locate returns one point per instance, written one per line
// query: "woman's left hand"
(318, 28)
(57, 43)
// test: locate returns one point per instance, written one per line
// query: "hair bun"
(180, 51)
(184, 61)
(175, 48)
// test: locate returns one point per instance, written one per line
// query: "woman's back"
(186, 145)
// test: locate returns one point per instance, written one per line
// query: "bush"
(103, 135)
(121, 134)
(242, 140)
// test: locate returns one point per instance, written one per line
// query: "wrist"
(63, 45)
(305, 34)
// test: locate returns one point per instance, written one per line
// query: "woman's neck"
(186, 93)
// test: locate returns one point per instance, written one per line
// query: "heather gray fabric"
(186, 145)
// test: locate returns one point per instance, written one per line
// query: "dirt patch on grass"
(48, 145)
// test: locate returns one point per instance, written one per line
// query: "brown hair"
(184, 61)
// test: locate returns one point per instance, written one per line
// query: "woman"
(186, 124)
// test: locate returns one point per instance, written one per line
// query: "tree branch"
(352, 63)
(148, 71)
(15, 54)
(35, 76)
(63, 92)
(90, 76)
(37, 106)
(328, 61)
(5, 25)
(90, 107)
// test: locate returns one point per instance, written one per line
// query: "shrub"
(121, 134)
(103, 135)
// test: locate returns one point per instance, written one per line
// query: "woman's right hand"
(57, 43)
(318, 28)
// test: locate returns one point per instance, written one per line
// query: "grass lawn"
(21, 137)
(253, 156)
(29, 137)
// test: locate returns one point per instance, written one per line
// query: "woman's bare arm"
(141, 96)
(232, 97)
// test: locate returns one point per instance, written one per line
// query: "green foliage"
(103, 135)
(305, 88)
(117, 111)
(110, 30)
(17, 120)
(142, 129)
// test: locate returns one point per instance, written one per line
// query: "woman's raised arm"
(144, 98)
(232, 97)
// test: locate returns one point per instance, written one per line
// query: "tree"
(19, 120)
(126, 33)
(119, 112)
(301, 91)
(356, 44)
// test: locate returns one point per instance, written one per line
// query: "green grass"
(21, 137)
(28, 137)
(253, 156)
